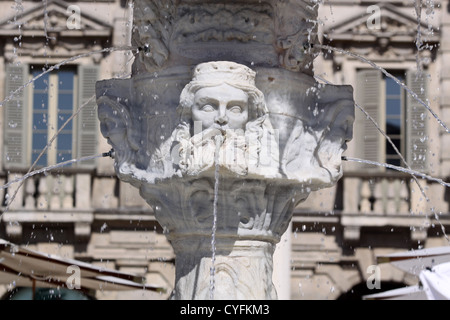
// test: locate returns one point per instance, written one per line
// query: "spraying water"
(219, 141)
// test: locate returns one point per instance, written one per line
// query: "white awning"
(431, 265)
(415, 261)
(22, 267)
(407, 293)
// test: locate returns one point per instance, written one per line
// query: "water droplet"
(315, 112)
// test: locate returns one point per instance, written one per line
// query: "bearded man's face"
(223, 107)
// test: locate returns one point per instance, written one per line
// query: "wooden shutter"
(369, 97)
(87, 121)
(416, 121)
(15, 147)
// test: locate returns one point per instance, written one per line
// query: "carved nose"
(222, 119)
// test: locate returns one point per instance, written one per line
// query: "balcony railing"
(385, 200)
(380, 195)
(64, 198)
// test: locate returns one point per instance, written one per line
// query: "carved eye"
(208, 108)
(235, 109)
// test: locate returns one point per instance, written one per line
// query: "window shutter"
(87, 121)
(16, 128)
(368, 97)
(416, 121)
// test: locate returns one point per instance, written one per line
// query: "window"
(402, 117)
(38, 112)
(394, 118)
(40, 118)
(53, 101)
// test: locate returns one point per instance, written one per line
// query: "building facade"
(83, 211)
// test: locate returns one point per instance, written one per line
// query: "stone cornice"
(37, 22)
(396, 25)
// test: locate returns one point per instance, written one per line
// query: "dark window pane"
(38, 144)
(64, 142)
(42, 160)
(65, 101)
(64, 156)
(62, 118)
(393, 126)
(392, 88)
(390, 149)
(42, 82)
(395, 162)
(40, 101)
(393, 107)
(65, 80)
(39, 141)
(40, 121)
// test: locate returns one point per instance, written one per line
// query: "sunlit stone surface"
(227, 83)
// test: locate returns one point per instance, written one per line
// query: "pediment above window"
(39, 21)
(395, 24)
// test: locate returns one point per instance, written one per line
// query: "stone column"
(242, 270)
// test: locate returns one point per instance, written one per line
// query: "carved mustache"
(218, 130)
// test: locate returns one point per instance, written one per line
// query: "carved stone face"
(223, 107)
